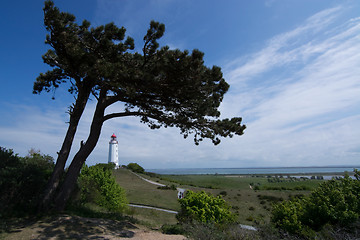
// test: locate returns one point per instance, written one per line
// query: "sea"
(273, 170)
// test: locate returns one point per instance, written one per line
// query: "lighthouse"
(113, 151)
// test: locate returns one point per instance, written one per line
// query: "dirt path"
(154, 208)
(147, 180)
(73, 227)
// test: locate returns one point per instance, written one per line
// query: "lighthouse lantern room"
(113, 151)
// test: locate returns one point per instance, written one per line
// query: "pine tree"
(163, 87)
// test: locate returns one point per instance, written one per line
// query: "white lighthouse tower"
(113, 151)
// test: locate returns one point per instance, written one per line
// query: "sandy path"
(74, 227)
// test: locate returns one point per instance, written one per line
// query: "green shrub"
(334, 202)
(250, 218)
(270, 198)
(287, 214)
(204, 208)
(97, 185)
(223, 193)
(235, 207)
(154, 175)
(302, 188)
(135, 168)
(171, 187)
(172, 229)
(108, 166)
(22, 181)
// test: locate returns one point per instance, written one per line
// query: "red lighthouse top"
(113, 136)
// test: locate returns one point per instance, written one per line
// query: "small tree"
(203, 207)
(97, 185)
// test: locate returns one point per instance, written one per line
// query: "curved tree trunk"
(63, 154)
(79, 159)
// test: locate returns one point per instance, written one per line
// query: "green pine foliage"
(97, 185)
(163, 87)
(334, 202)
(205, 208)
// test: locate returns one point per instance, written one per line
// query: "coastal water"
(280, 170)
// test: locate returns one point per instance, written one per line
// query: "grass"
(140, 192)
(152, 218)
(290, 184)
(251, 206)
(213, 181)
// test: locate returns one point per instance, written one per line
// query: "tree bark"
(63, 154)
(79, 159)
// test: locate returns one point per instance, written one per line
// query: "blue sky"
(293, 67)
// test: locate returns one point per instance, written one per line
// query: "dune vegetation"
(279, 207)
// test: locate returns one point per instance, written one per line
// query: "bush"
(172, 229)
(153, 175)
(97, 185)
(334, 202)
(286, 215)
(108, 166)
(250, 218)
(204, 208)
(270, 198)
(302, 188)
(223, 193)
(135, 168)
(172, 187)
(22, 181)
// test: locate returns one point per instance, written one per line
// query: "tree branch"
(94, 94)
(124, 114)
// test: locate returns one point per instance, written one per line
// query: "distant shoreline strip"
(258, 171)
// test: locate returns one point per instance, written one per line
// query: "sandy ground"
(73, 227)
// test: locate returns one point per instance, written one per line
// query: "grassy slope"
(141, 192)
(248, 204)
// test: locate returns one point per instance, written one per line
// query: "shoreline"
(287, 174)
(318, 171)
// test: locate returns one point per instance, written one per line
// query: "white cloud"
(299, 95)
(281, 49)
(31, 127)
